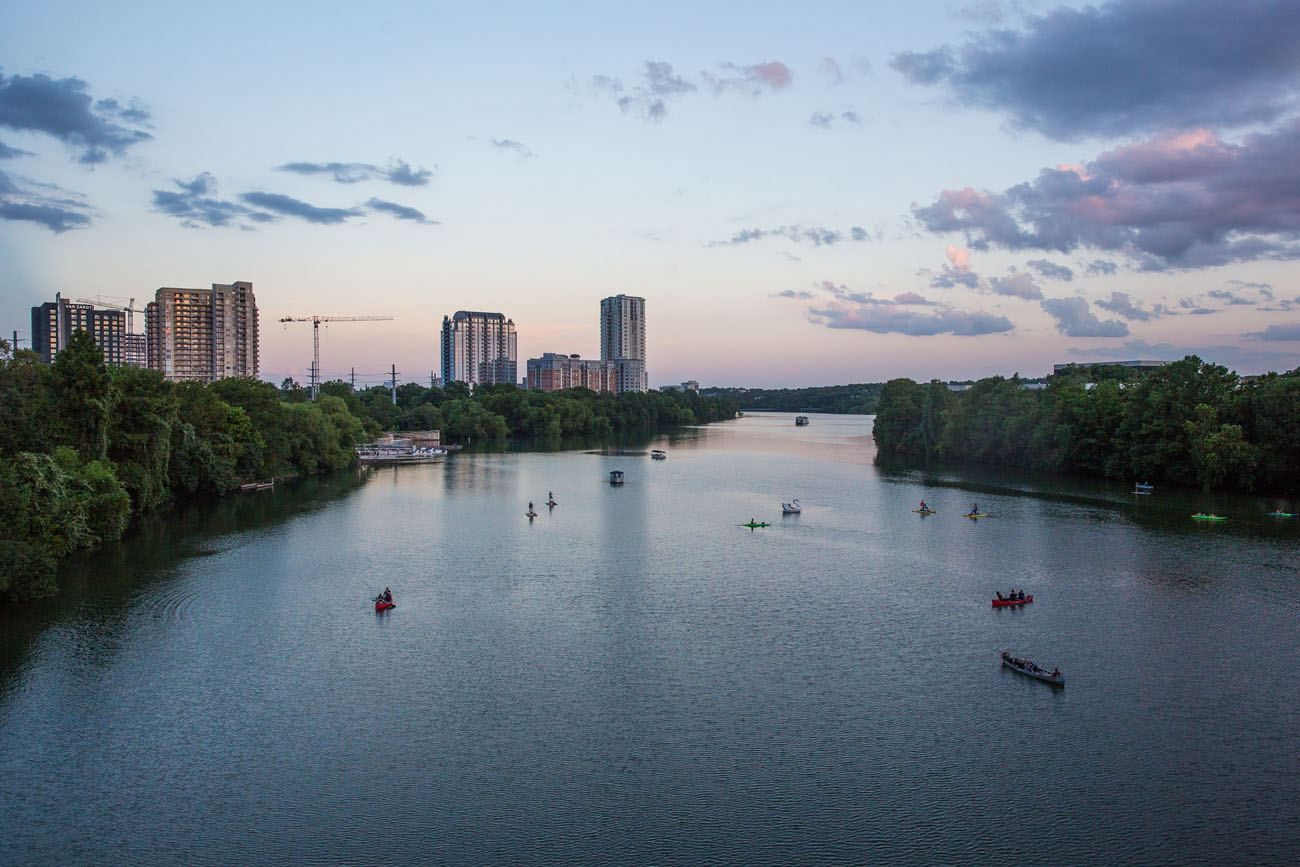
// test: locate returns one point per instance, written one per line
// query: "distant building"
(623, 340)
(1140, 365)
(54, 323)
(202, 335)
(688, 385)
(479, 348)
(555, 371)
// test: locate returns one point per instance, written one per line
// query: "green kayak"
(751, 525)
(1281, 514)
(1203, 517)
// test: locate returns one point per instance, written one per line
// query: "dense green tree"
(82, 391)
(140, 434)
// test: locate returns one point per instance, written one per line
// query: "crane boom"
(129, 307)
(315, 339)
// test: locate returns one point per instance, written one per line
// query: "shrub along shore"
(83, 446)
(1187, 423)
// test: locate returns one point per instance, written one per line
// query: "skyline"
(944, 192)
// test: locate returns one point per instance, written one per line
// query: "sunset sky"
(804, 193)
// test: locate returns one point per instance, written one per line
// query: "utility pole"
(393, 383)
(431, 379)
(354, 379)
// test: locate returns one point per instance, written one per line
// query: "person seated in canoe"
(999, 595)
(1056, 672)
(387, 595)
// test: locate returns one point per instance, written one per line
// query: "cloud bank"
(1126, 67)
(1075, 319)
(26, 201)
(1186, 200)
(841, 307)
(398, 172)
(63, 108)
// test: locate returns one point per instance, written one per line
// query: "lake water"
(633, 678)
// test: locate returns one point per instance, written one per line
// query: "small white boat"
(659, 454)
(791, 508)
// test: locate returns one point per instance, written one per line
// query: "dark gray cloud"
(1187, 200)
(953, 276)
(1125, 67)
(1102, 266)
(1232, 299)
(659, 84)
(1051, 270)
(196, 205)
(1016, 285)
(794, 293)
(397, 172)
(824, 120)
(8, 153)
(848, 308)
(290, 207)
(401, 212)
(1075, 319)
(818, 236)
(1290, 331)
(1122, 304)
(23, 200)
(62, 108)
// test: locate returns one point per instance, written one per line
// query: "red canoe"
(381, 605)
(1007, 603)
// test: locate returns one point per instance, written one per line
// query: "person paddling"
(388, 595)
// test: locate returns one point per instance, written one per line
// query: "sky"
(803, 193)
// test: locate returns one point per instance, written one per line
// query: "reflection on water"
(633, 678)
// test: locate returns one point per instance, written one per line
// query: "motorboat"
(791, 508)
(658, 455)
(800, 420)
(616, 477)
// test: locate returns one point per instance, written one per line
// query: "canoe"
(924, 511)
(381, 605)
(981, 515)
(1006, 603)
(1022, 666)
(1200, 517)
(1281, 514)
(752, 525)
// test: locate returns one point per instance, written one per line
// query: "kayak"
(980, 515)
(530, 515)
(1024, 666)
(1202, 517)
(1281, 514)
(924, 511)
(751, 525)
(552, 503)
(1006, 603)
(381, 605)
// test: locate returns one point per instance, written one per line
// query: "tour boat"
(381, 605)
(800, 420)
(372, 455)
(1024, 666)
(616, 477)
(1005, 603)
(791, 508)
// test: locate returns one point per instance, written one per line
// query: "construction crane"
(129, 307)
(315, 340)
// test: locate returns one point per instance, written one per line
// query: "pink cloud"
(773, 73)
(958, 256)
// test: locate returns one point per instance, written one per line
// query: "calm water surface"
(633, 678)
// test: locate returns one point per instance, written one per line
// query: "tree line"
(859, 398)
(84, 446)
(1189, 423)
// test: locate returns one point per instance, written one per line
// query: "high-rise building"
(479, 348)
(554, 371)
(54, 323)
(202, 335)
(622, 340)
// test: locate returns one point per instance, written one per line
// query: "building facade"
(479, 348)
(555, 371)
(622, 340)
(54, 323)
(202, 335)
